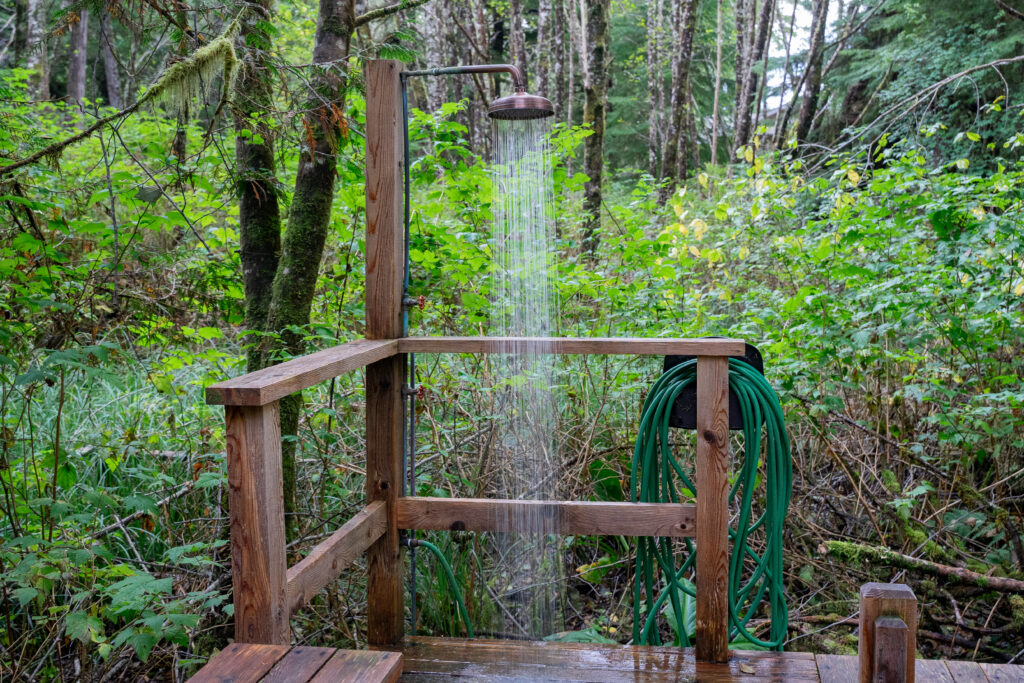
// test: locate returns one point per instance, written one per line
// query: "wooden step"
(248, 663)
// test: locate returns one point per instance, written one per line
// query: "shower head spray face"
(520, 107)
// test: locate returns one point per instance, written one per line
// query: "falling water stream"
(528, 558)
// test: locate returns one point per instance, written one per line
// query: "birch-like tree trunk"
(595, 84)
(748, 85)
(561, 55)
(542, 60)
(673, 161)
(517, 36)
(77, 54)
(812, 85)
(111, 72)
(436, 34)
(36, 60)
(788, 41)
(654, 85)
(744, 11)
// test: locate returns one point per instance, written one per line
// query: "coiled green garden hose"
(752, 577)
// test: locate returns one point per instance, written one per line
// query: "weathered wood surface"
(890, 657)
(966, 672)
(932, 671)
(360, 666)
(338, 551)
(712, 508)
(886, 600)
(300, 664)
(561, 517)
(270, 384)
(1002, 673)
(837, 668)
(256, 504)
(249, 663)
(498, 660)
(240, 662)
(385, 271)
(570, 345)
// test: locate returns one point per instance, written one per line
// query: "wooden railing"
(267, 592)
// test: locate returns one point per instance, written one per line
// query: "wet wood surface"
(251, 663)
(560, 517)
(646, 346)
(434, 659)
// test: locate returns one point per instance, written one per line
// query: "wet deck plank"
(433, 659)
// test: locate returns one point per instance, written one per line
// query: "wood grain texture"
(263, 386)
(570, 345)
(256, 503)
(932, 671)
(712, 508)
(481, 659)
(360, 666)
(323, 564)
(566, 518)
(890, 656)
(1003, 673)
(885, 600)
(837, 668)
(385, 269)
(240, 663)
(966, 672)
(300, 664)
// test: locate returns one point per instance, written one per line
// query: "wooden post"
(712, 508)
(385, 272)
(256, 500)
(888, 633)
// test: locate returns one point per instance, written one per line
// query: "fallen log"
(856, 551)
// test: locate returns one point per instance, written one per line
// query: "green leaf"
(67, 476)
(83, 626)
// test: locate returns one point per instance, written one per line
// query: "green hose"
(752, 577)
(451, 581)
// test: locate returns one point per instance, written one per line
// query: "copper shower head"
(520, 107)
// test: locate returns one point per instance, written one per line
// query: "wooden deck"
(434, 659)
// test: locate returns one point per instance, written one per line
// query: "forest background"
(181, 191)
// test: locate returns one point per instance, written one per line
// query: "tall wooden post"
(888, 633)
(385, 271)
(256, 501)
(712, 508)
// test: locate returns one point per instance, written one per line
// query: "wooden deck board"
(428, 660)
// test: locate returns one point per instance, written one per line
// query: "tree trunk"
(259, 215)
(715, 115)
(542, 62)
(673, 163)
(744, 45)
(19, 47)
(77, 55)
(37, 63)
(654, 85)
(812, 85)
(110, 67)
(560, 55)
(437, 21)
(748, 86)
(597, 34)
(517, 36)
(574, 20)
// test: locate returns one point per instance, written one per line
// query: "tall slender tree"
(673, 153)
(543, 52)
(716, 114)
(77, 53)
(655, 9)
(517, 35)
(748, 80)
(36, 60)
(595, 86)
(111, 69)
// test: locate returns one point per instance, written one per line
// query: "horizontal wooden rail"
(265, 386)
(569, 345)
(562, 517)
(329, 558)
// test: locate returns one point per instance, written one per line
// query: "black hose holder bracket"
(684, 410)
